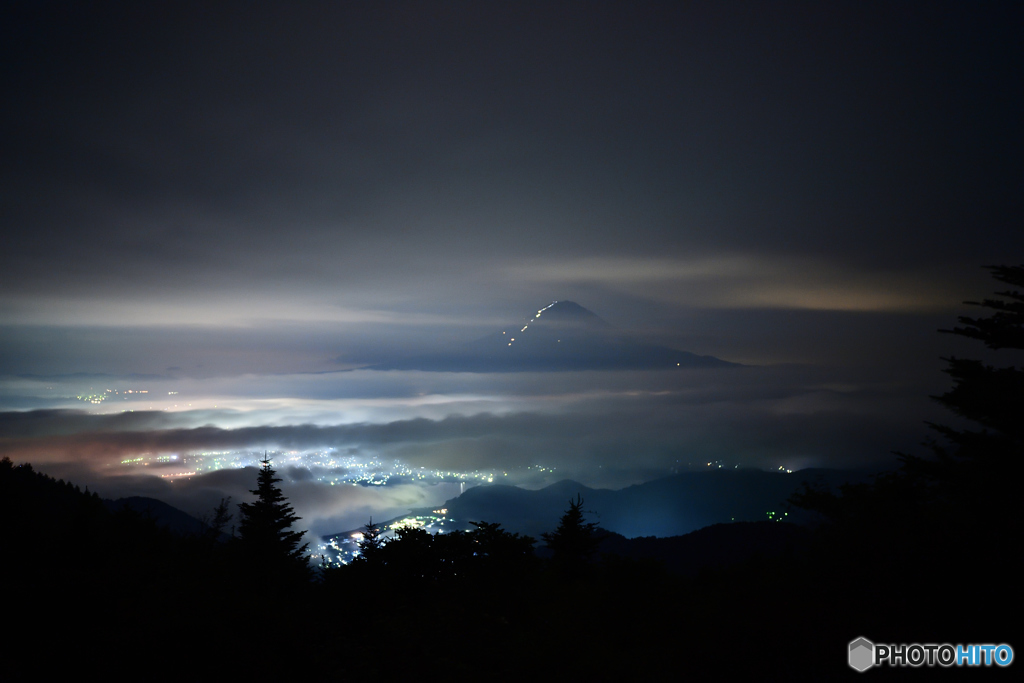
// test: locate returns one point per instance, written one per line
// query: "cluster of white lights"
(343, 548)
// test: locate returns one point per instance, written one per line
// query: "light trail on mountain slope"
(532, 319)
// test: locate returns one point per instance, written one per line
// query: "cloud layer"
(238, 208)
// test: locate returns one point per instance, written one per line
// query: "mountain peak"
(565, 313)
(560, 336)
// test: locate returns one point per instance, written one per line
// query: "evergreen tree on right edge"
(979, 470)
(955, 514)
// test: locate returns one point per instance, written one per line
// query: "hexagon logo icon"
(862, 654)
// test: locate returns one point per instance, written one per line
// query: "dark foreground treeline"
(927, 554)
(86, 589)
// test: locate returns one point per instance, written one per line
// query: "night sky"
(249, 204)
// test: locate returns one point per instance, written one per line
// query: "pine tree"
(951, 519)
(971, 481)
(981, 466)
(574, 542)
(218, 520)
(992, 397)
(264, 529)
(370, 543)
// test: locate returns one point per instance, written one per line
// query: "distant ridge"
(713, 547)
(671, 506)
(164, 516)
(561, 336)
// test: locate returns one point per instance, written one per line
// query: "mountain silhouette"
(558, 337)
(163, 515)
(670, 506)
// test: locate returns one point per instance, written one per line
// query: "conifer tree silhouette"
(574, 542)
(948, 519)
(978, 468)
(265, 525)
(370, 543)
(992, 397)
(970, 485)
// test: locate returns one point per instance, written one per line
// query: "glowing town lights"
(407, 523)
(177, 475)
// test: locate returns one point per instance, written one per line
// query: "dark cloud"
(58, 422)
(749, 420)
(231, 206)
(166, 155)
